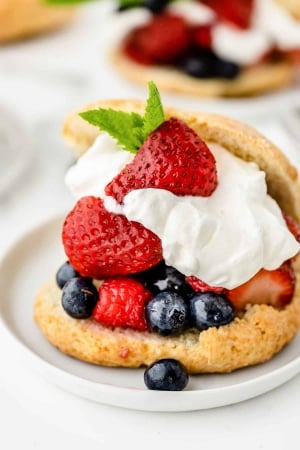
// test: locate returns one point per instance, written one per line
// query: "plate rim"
(57, 375)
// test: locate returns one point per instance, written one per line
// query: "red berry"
(100, 244)
(199, 285)
(162, 40)
(272, 287)
(174, 158)
(293, 56)
(201, 36)
(238, 13)
(122, 303)
(292, 226)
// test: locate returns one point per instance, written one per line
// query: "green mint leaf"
(124, 127)
(129, 129)
(154, 113)
(130, 3)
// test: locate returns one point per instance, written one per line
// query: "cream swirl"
(223, 239)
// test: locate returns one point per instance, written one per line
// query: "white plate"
(16, 149)
(29, 263)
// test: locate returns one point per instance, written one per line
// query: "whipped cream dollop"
(271, 25)
(277, 23)
(241, 46)
(194, 12)
(223, 239)
(97, 167)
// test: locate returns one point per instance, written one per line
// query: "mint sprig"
(129, 129)
(154, 113)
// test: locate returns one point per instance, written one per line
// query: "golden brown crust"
(252, 339)
(252, 81)
(240, 139)
(20, 19)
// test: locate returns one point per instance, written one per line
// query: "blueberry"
(208, 309)
(162, 277)
(166, 375)
(65, 273)
(200, 65)
(227, 69)
(79, 297)
(167, 313)
(156, 6)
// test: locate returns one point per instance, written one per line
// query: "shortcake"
(181, 246)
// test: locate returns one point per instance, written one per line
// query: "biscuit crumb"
(124, 352)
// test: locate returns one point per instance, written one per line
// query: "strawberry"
(293, 56)
(201, 36)
(272, 287)
(237, 13)
(174, 158)
(122, 303)
(292, 226)
(163, 40)
(100, 244)
(199, 285)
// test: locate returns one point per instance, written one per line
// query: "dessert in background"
(21, 19)
(207, 47)
(291, 5)
(181, 249)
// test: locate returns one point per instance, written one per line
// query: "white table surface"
(41, 80)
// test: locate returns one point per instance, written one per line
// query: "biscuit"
(21, 19)
(251, 339)
(252, 81)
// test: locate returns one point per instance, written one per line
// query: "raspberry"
(122, 303)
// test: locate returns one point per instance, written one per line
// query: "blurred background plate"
(16, 149)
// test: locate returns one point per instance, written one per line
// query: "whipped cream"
(97, 167)
(223, 239)
(271, 24)
(277, 23)
(193, 12)
(241, 46)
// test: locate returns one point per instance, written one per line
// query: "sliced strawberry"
(199, 285)
(271, 287)
(292, 226)
(101, 244)
(238, 13)
(174, 158)
(163, 40)
(122, 303)
(293, 56)
(201, 36)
